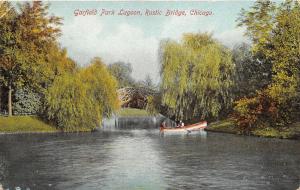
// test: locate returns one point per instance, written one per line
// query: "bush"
(27, 102)
(261, 111)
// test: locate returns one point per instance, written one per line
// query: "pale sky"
(135, 39)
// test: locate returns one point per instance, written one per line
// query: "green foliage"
(275, 37)
(57, 63)
(285, 54)
(122, 72)
(32, 61)
(252, 73)
(259, 22)
(25, 38)
(79, 101)
(229, 126)
(70, 106)
(102, 85)
(27, 102)
(196, 76)
(154, 104)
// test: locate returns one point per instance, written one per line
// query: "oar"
(188, 131)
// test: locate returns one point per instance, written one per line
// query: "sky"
(135, 39)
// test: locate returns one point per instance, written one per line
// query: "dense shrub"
(26, 102)
(260, 111)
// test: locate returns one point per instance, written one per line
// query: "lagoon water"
(131, 158)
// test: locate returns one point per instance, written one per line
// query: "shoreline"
(33, 125)
(30, 132)
(228, 126)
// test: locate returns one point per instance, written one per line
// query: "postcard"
(150, 95)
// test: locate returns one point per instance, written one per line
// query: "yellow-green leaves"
(102, 85)
(69, 104)
(196, 76)
(78, 101)
(259, 22)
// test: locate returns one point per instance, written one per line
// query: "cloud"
(85, 39)
(129, 43)
(88, 37)
(80, 37)
(232, 37)
(176, 26)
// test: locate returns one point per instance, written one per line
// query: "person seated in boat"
(177, 124)
(180, 124)
(162, 125)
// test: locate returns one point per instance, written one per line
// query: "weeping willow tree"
(79, 101)
(196, 77)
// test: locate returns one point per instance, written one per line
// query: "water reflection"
(142, 159)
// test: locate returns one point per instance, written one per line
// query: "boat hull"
(185, 129)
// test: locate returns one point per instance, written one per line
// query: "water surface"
(143, 159)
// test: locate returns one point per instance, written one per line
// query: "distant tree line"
(123, 73)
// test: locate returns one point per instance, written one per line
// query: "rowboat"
(185, 129)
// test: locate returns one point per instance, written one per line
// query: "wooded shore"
(229, 126)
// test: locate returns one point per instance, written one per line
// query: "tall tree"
(58, 63)
(285, 52)
(69, 106)
(103, 86)
(275, 36)
(279, 44)
(259, 22)
(80, 100)
(25, 39)
(8, 49)
(196, 76)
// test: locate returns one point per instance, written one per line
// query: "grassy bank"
(24, 124)
(229, 126)
(224, 126)
(132, 112)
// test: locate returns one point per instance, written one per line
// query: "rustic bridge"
(135, 97)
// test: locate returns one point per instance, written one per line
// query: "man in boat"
(162, 125)
(180, 124)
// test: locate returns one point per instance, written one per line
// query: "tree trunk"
(0, 99)
(9, 101)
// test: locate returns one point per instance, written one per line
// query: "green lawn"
(224, 126)
(21, 124)
(229, 126)
(132, 112)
